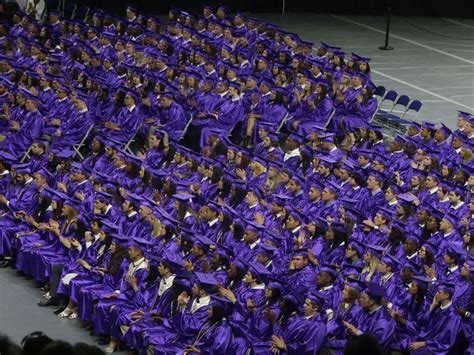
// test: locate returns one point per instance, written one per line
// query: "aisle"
(19, 314)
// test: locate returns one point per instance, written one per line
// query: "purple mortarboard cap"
(202, 242)
(406, 198)
(327, 137)
(221, 302)
(317, 297)
(295, 296)
(324, 45)
(259, 160)
(376, 250)
(326, 161)
(375, 291)
(206, 280)
(119, 238)
(415, 267)
(357, 246)
(139, 243)
(389, 260)
(386, 213)
(333, 186)
(329, 268)
(356, 283)
(465, 115)
(240, 263)
(267, 249)
(428, 125)
(299, 180)
(172, 261)
(451, 218)
(254, 227)
(22, 168)
(280, 200)
(447, 132)
(448, 287)
(259, 270)
(456, 252)
(183, 196)
(422, 281)
(103, 196)
(295, 137)
(378, 175)
(295, 214)
(300, 252)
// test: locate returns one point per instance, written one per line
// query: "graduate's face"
(299, 262)
(309, 307)
(365, 301)
(39, 180)
(410, 246)
(292, 223)
(465, 270)
(442, 296)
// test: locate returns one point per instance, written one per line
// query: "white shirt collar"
(446, 306)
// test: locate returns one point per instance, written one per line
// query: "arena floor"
(432, 60)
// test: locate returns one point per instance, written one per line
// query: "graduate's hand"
(278, 343)
(341, 98)
(183, 299)
(251, 306)
(150, 120)
(54, 225)
(254, 99)
(269, 315)
(188, 265)
(146, 101)
(434, 304)
(61, 187)
(15, 125)
(3, 200)
(368, 223)
(312, 259)
(20, 214)
(57, 133)
(359, 99)
(137, 315)
(241, 173)
(350, 328)
(132, 281)
(112, 295)
(430, 271)
(56, 122)
(417, 345)
(300, 239)
(80, 195)
(259, 218)
(228, 294)
(75, 243)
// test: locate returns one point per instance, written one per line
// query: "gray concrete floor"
(439, 70)
(20, 315)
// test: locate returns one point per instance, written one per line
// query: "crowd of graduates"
(213, 184)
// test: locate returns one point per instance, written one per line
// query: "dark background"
(442, 8)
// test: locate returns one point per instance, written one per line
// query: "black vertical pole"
(388, 13)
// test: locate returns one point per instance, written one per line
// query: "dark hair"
(86, 349)
(7, 347)
(116, 259)
(218, 314)
(58, 347)
(362, 345)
